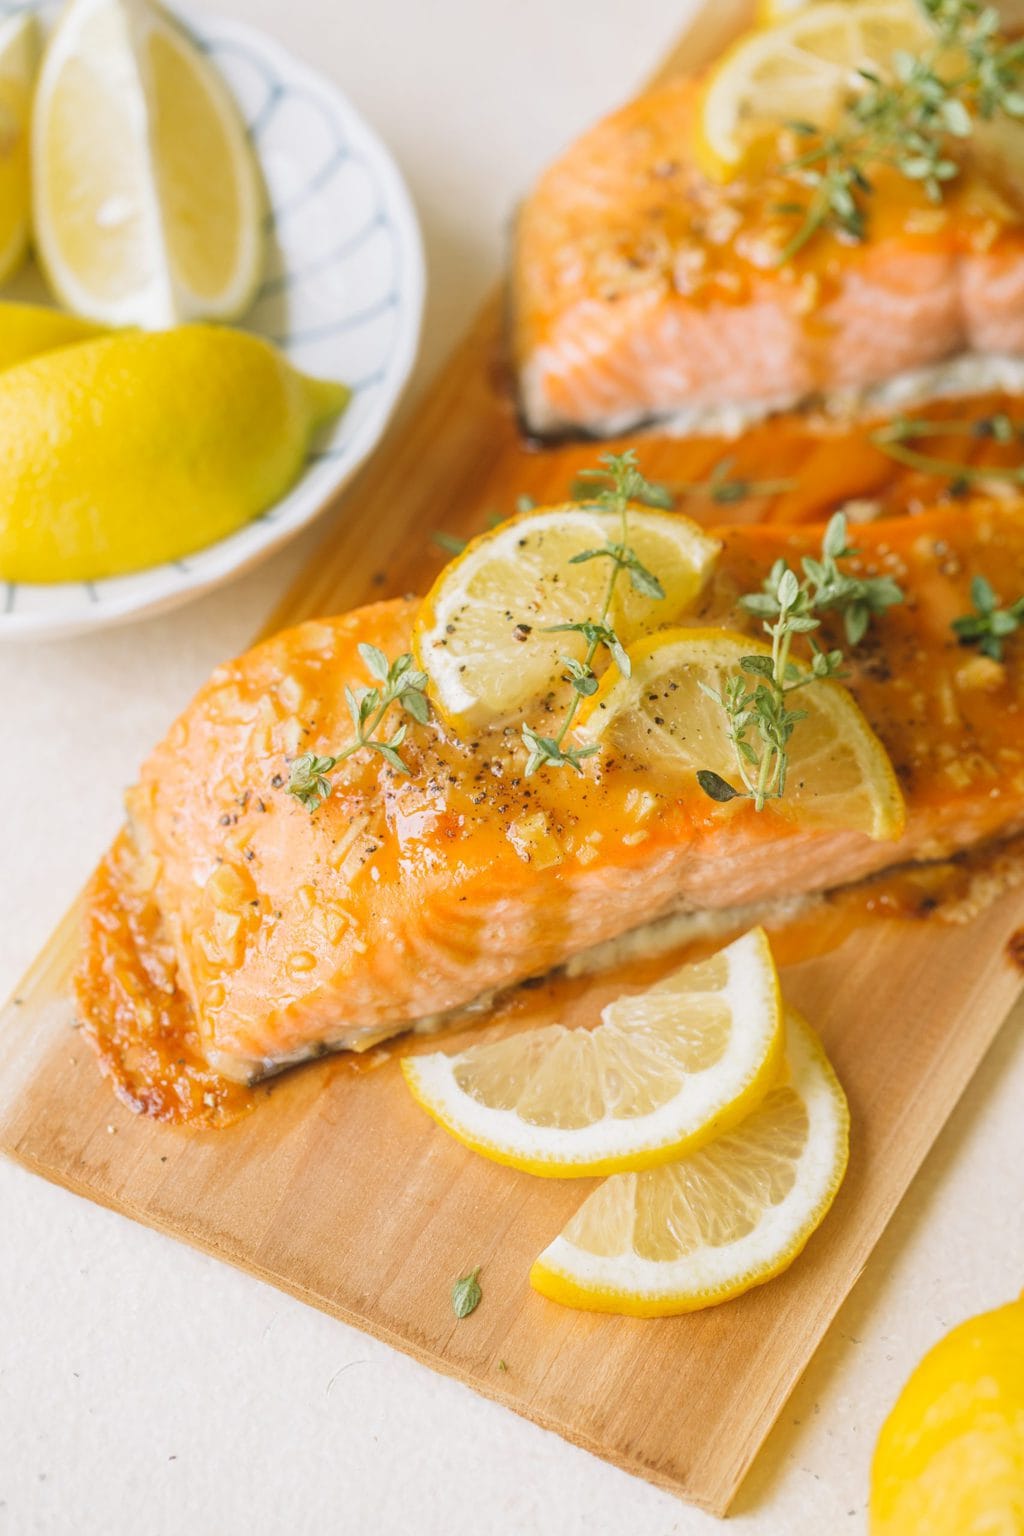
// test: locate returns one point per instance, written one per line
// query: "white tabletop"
(146, 1388)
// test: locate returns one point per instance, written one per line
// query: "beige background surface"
(144, 1387)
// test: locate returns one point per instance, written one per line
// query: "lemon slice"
(19, 51)
(481, 633)
(146, 196)
(664, 1071)
(801, 67)
(719, 1221)
(839, 773)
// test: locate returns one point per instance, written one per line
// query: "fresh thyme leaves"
(909, 121)
(650, 494)
(989, 625)
(398, 683)
(723, 488)
(755, 700)
(897, 437)
(466, 1294)
(449, 542)
(613, 486)
(452, 544)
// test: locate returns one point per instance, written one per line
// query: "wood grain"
(341, 1192)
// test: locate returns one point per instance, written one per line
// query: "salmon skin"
(404, 897)
(642, 290)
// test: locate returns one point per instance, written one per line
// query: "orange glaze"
(410, 896)
(642, 288)
(823, 464)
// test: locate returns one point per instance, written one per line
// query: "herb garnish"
(723, 488)
(897, 436)
(451, 543)
(651, 493)
(620, 483)
(399, 684)
(760, 722)
(989, 625)
(908, 122)
(466, 1294)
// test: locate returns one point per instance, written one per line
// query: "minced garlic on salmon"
(404, 897)
(642, 290)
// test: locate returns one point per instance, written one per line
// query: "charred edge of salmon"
(991, 869)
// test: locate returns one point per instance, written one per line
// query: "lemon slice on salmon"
(720, 1220)
(483, 635)
(802, 67)
(146, 196)
(19, 51)
(839, 776)
(665, 1070)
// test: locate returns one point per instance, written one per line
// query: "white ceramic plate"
(342, 295)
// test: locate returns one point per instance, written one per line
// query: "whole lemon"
(950, 1457)
(124, 452)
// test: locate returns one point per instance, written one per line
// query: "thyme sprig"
(398, 683)
(649, 493)
(897, 437)
(755, 700)
(989, 625)
(613, 486)
(909, 121)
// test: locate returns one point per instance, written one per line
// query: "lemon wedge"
(19, 52)
(720, 1220)
(482, 635)
(839, 773)
(146, 197)
(139, 448)
(950, 1457)
(26, 330)
(800, 67)
(665, 1070)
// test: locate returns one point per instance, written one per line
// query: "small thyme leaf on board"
(466, 1294)
(613, 485)
(398, 683)
(989, 626)
(754, 700)
(908, 120)
(897, 437)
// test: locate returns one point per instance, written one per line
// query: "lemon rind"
(685, 1123)
(890, 811)
(568, 1275)
(458, 705)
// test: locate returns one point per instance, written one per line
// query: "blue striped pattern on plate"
(342, 294)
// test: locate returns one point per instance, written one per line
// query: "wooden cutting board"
(340, 1191)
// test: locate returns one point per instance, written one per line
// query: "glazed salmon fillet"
(407, 896)
(643, 290)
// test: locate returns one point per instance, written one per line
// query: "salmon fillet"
(643, 290)
(405, 897)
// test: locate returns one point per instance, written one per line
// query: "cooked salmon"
(407, 896)
(643, 290)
